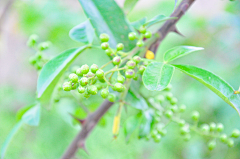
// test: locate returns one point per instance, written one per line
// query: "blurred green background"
(214, 25)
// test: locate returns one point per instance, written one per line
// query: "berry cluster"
(38, 60)
(143, 34)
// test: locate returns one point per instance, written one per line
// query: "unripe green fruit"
(102, 80)
(100, 74)
(32, 40)
(132, 36)
(79, 72)
(157, 119)
(131, 64)
(212, 145)
(129, 73)
(105, 45)
(184, 130)
(94, 80)
(154, 133)
(173, 101)
(160, 98)
(212, 126)
(187, 137)
(32, 60)
(140, 43)
(120, 46)
(104, 37)
(146, 63)
(195, 115)
(235, 133)
(136, 59)
(158, 113)
(121, 79)
(135, 77)
(169, 114)
(73, 77)
(56, 99)
(205, 128)
(181, 122)
(92, 89)
(157, 138)
(43, 46)
(99, 86)
(169, 96)
(94, 68)
(163, 132)
(74, 86)
(108, 52)
(168, 88)
(104, 93)
(230, 143)
(220, 127)
(111, 97)
(142, 29)
(182, 108)
(118, 87)
(85, 69)
(116, 60)
(224, 138)
(142, 69)
(81, 89)
(38, 55)
(86, 94)
(148, 34)
(67, 86)
(174, 108)
(84, 81)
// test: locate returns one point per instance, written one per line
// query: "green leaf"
(158, 19)
(53, 70)
(146, 123)
(23, 110)
(137, 24)
(157, 76)
(179, 51)
(136, 101)
(32, 116)
(107, 17)
(213, 82)
(131, 125)
(128, 5)
(9, 138)
(83, 32)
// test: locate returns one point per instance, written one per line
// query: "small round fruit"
(84, 81)
(86, 94)
(182, 108)
(187, 137)
(85, 69)
(67, 86)
(94, 68)
(140, 43)
(129, 73)
(117, 60)
(148, 34)
(169, 114)
(224, 138)
(100, 74)
(235, 133)
(79, 72)
(173, 101)
(230, 142)
(104, 93)
(32, 60)
(174, 108)
(81, 89)
(99, 86)
(154, 133)
(121, 79)
(104, 37)
(142, 69)
(205, 128)
(157, 138)
(169, 96)
(184, 130)
(132, 36)
(211, 145)
(105, 45)
(181, 122)
(120, 46)
(136, 59)
(111, 97)
(220, 127)
(108, 52)
(163, 132)
(73, 77)
(160, 98)
(149, 55)
(212, 126)
(168, 88)
(74, 86)
(92, 89)
(131, 64)
(195, 115)
(142, 29)
(118, 87)
(136, 77)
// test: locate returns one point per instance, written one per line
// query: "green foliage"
(129, 4)
(157, 19)
(136, 101)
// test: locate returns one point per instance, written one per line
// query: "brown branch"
(170, 25)
(92, 119)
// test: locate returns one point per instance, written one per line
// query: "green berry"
(118, 87)
(142, 29)
(32, 40)
(157, 138)
(56, 99)
(39, 55)
(43, 46)
(81, 89)
(32, 60)
(205, 128)
(94, 68)
(160, 98)
(67, 86)
(108, 52)
(146, 63)
(140, 43)
(182, 108)
(174, 108)
(73, 77)
(157, 119)
(99, 86)
(154, 133)
(84, 81)
(117, 60)
(131, 64)
(181, 122)
(102, 80)
(74, 86)
(187, 137)
(195, 115)
(92, 89)
(86, 94)
(235, 133)
(169, 114)
(104, 37)
(163, 132)
(224, 138)
(129, 73)
(121, 79)
(148, 34)
(79, 72)
(173, 101)
(100, 74)
(169, 96)
(212, 126)
(136, 77)
(184, 130)
(142, 69)
(132, 36)
(230, 142)
(104, 93)
(105, 45)
(94, 80)
(168, 88)
(120, 46)
(85, 69)
(111, 97)
(220, 127)
(211, 145)
(136, 59)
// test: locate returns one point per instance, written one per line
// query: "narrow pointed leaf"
(22, 111)
(53, 70)
(157, 76)
(214, 83)
(158, 19)
(83, 33)
(137, 24)
(179, 51)
(32, 116)
(107, 17)
(128, 5)
(136, 101)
